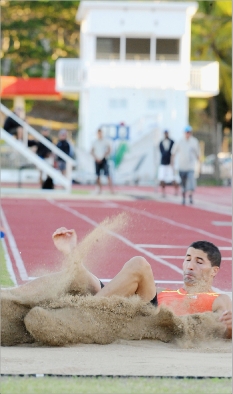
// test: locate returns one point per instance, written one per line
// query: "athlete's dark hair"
(210, 249)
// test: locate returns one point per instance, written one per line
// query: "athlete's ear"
(215, 270)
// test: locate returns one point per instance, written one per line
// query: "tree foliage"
(35, 34)
(212, 40)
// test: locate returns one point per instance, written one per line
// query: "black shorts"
(102, 166)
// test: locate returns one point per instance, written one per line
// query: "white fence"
(202, 77)
(22, 148)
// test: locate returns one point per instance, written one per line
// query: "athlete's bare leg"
(136, 277)
(176, 185)
(46, 287)
(99, 184)
(110, 185)
(162, 184)
(52, 286)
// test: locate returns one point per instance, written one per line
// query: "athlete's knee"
(138, 265)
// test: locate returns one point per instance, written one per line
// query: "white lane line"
(154, 246)
(8, 262)
(216, 290)
(170, 221)
(120, 237)
(18, 259)
(182, 257)
(109, 280)
(160, 282)
(156, 281)
(86, 205)
(216, 223)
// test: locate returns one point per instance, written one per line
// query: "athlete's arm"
(223, 306)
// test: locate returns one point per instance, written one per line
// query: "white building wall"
(142, 110)
(148, 96)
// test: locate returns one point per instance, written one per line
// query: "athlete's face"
(197, 268)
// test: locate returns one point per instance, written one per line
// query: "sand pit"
(133, 358)
(93, 333)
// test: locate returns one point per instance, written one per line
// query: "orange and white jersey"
(182, 303)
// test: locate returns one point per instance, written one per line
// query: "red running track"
(156, 230)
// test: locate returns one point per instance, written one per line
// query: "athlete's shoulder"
(222, 302)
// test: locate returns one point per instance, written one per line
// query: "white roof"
(85, 6)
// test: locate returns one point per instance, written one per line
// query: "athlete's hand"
(64, 240)
(226, 318)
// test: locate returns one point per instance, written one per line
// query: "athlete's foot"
(65, 240)
(191, 199)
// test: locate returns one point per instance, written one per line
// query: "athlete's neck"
(198, 288)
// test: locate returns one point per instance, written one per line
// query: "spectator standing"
(66, 147)
(166, 172)
(12, 126)
(45, 153)
(100, 151)
(187, 151)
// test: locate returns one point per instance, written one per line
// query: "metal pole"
(19, 179)
(69, 174)
(218, 141)
(215, 131)
(25, 136)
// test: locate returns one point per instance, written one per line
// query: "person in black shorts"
(100, 151)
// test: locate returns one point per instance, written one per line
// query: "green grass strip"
(77, 191)
(5, 279)
(80, 385)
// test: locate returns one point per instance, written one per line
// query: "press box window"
(137, 48)
(107, 48)
(167, 49)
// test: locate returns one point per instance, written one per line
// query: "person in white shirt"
(187, 152)
(100, 151)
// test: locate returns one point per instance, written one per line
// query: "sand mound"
(200, 327)
(104, 320)
(100, 320)
(88, 319)
(13, 330)
(59, 309)
(17, 302)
